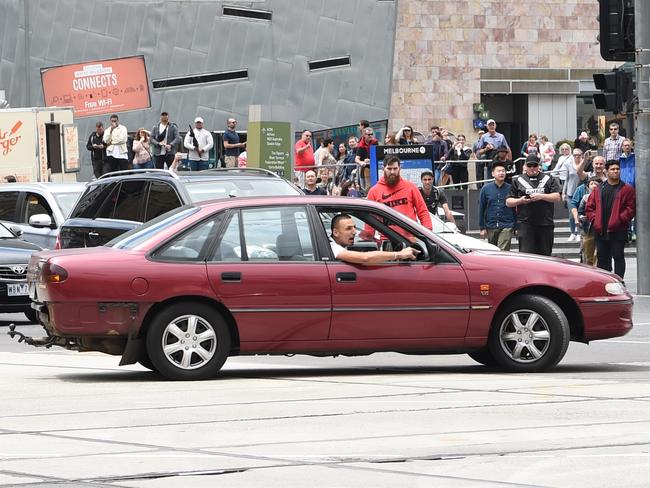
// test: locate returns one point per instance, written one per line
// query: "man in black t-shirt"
(434, 196)
(534, 194)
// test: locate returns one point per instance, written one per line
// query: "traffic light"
(616, 18)
(617, 89)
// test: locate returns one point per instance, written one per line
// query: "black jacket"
(96, 154)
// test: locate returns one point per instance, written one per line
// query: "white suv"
(38, 209)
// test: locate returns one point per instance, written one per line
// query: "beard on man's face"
(392, 179)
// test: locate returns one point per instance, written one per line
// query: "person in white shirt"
(198, 142)
(343, 233)
(117, 154)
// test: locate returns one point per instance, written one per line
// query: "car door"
(9, 208)
(36, 204)
(266, 271)
(428, 298)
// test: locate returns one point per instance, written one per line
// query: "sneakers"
(573, 238)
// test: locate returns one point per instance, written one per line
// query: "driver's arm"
(377, 257)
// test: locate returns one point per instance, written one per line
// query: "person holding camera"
(198, 142)
(141, 150)
(534, 194)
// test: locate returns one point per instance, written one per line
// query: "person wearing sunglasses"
(534, 194)
(613, 146)
(405, 137)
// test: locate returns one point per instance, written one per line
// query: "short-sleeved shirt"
(496, 140)
(433, 199)
(305, 160)
(231, 137)
(336, 248)
(535, 213)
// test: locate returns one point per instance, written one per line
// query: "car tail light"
(53, 273)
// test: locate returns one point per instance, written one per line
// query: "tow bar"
(46, 342)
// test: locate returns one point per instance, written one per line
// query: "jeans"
(145, 165)
(199, 165)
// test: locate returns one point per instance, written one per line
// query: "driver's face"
(344, 232)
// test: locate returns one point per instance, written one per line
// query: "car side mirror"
(17, 231)
(40, 221)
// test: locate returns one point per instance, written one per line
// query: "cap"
(491, 121)
(532, 158)
(198, 119)
(502, 149)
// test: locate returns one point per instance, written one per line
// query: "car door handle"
(346, 277)
(93, 235)
(231, 276)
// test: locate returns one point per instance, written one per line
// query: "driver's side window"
(375, 231)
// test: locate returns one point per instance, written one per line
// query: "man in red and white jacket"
(400, 194)
(610, 209)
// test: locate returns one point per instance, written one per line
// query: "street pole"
(642, 145)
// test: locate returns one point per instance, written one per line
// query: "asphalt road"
(78, 420)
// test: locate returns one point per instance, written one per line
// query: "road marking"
(631, 342)
(638, 363)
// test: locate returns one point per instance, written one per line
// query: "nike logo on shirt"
(384, 196)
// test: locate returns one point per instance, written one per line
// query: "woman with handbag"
(141, 144)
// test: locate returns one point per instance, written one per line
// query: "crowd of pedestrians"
(115, 149)
(518, 193)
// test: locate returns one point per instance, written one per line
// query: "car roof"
(321, 200)
(45, 186)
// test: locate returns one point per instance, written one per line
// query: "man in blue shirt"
(495, 219)
(487, 148)
(232, 146)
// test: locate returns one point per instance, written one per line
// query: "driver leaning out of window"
(343, 233)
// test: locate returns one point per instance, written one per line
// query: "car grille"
(13, 272)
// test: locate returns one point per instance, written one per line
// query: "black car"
(120, 201)
(14, 258)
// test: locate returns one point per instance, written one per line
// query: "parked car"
(118, 202)
(245, 276)
(38, 209)
(14, 258)
(452, 235)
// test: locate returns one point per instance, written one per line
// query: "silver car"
(38, 209)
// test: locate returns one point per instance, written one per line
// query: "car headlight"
(615, 288)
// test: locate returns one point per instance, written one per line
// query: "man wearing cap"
(534, 194)
(487, 148)
(165, 139)
(198, 142)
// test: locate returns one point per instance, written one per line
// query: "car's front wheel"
(531, 333)
(188, 341)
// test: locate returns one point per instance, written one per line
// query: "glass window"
(8, 205)
(140, 234)
(269, 234)
(240, 187)
(66, 201)
(36, 204)
(162, 198)
(131, 200)
(193, 244)
(97, 201)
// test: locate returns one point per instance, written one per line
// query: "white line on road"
(630, 342)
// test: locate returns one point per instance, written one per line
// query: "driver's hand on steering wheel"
(408, 254)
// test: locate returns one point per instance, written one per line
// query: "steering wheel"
(423, 255)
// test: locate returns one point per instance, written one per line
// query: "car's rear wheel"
(32, 316)
(531, 333)
(188, 341)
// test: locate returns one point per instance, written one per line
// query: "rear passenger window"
(8, 205)
(130, 200)
(94, 199)
(162, 198)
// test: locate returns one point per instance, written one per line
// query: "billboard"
(98, 87)
(414, 160)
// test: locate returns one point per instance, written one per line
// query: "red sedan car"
(258, 276)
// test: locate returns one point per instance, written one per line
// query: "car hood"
(14, 251)
(467, 242)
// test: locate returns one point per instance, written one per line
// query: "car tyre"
(188, 341)
(483, 356)
(529, 334)
(32, 316)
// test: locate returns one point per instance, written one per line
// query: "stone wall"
(441, 46)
